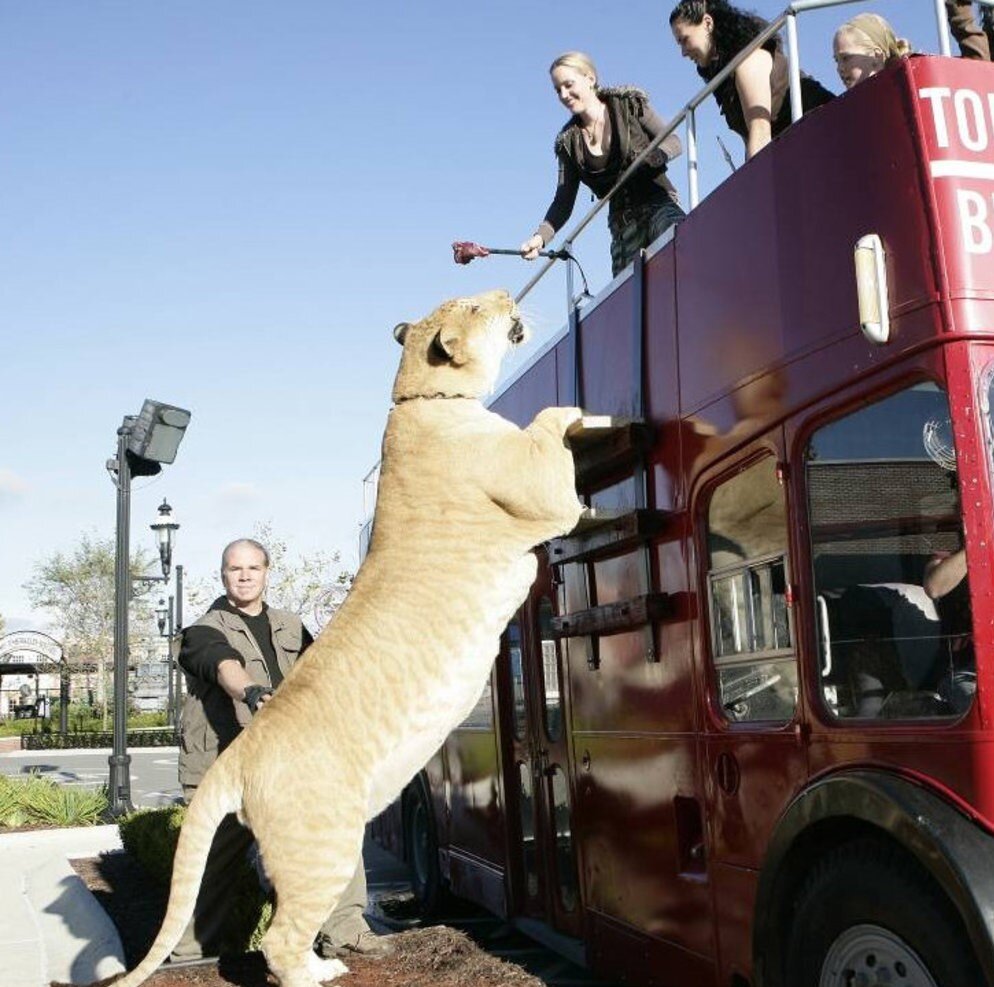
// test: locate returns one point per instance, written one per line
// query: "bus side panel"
(635, 869)
(735, 900)
(387, 829)
(662, 381)
(476, 814)
(623, 957)
(533, 391)
(757, 285)
(606, 347)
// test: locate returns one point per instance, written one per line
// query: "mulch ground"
(427, 957)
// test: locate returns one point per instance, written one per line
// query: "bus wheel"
(867, 915)
(422, 848)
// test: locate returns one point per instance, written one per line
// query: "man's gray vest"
(211, 718)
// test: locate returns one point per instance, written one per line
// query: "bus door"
(755, 751)
(543, 865)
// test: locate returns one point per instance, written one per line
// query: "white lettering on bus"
(974, 222)
(974, 137)
(935, 95)
(974, 118)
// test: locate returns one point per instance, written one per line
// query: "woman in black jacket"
(606, 131)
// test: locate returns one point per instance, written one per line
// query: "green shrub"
(150, 836)
(38, 801)
(82, 719)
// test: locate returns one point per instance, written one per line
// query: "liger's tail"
(218, 794)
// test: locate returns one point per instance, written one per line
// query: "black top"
(634, 124)
(813, 93)
(204, 648)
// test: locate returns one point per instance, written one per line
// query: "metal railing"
(687, 115)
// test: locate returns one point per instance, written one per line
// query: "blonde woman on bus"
(607, 129)
(867, 43)
(753, 100)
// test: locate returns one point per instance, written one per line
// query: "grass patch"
(150, 837)
(38, 801)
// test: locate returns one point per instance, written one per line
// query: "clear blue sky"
(228, 205)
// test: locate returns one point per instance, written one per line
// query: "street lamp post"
(144, 441)
(164, 618)
(178, 628)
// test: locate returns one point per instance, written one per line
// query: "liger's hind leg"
(309, 871)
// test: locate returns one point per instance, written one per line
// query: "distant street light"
(144, 442)
(164, 618)
(160, 616)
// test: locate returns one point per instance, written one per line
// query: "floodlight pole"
(177, 629)
(169, 661)
(119, 780)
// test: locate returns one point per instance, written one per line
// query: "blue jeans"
(635, 227)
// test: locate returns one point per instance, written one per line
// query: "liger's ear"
(452, 344)
(400, 331)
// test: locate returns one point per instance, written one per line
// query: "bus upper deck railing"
(688, 113)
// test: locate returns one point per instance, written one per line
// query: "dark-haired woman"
(754, 99)
(606, 131)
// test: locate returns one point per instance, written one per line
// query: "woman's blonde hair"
(578, 60)
(874, 32)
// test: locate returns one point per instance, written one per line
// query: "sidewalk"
(51, 927)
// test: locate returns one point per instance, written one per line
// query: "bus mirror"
(871, 289)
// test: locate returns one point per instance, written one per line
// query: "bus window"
(514, 646)
(747, 578)
(550, 671)
(885, 522)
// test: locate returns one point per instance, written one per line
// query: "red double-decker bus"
(742, 730)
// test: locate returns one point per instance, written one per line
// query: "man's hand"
(256, 696)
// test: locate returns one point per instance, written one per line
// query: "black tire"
(421, 844)
(868, 911)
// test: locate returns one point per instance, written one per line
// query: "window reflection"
(565, 866)
(529, 857)
(517, 676)
(892, 597)
(550, 670)
(752, 645)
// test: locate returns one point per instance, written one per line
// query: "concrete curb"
(51, 926)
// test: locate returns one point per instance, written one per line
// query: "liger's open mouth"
(517, 332)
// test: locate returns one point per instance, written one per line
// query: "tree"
(312, 586)
(77, 590)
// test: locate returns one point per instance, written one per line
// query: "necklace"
(591, 131)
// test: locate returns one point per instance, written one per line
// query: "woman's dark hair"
(733, 29)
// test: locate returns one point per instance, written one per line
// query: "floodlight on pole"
(144, 441)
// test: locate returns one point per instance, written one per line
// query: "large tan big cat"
(463, 497)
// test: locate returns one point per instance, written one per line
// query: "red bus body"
(690, 832)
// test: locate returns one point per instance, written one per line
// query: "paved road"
(153, 771)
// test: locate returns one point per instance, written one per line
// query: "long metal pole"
(794, 69)
(178, 629)
(169, 663)
(942, 27)
(692, 167)
(119, 781)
